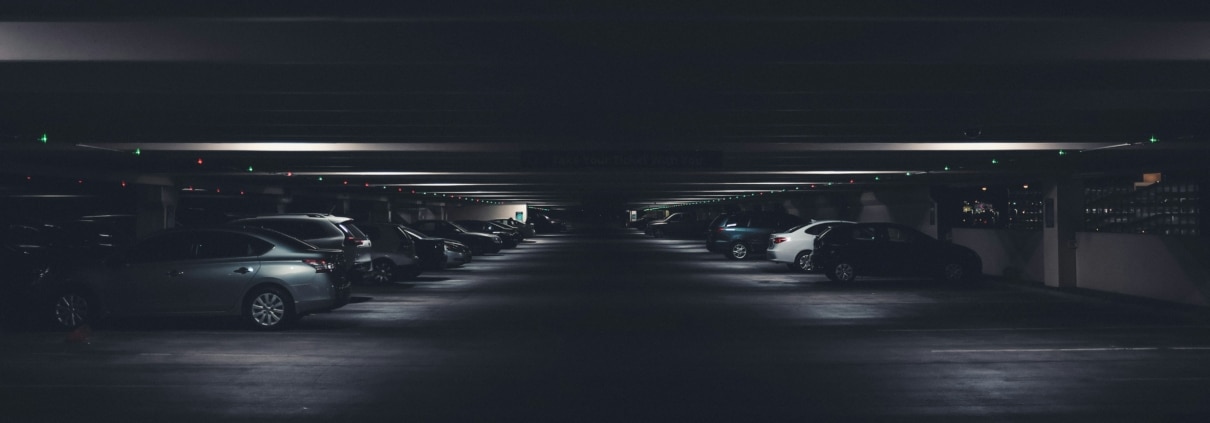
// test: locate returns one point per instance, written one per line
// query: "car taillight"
(353, 241)
(780, 239)
(320, 265)
(718, 229)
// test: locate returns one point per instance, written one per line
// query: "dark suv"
(323, 231)
(739, 236)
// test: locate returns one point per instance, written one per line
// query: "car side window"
(372, 232)
(214, 245)
(167, 247)
(864, 233)
(899, 235)
(818, 229)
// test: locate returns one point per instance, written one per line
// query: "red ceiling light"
(199, 160)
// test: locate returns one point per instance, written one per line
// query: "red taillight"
(780, 239)
(320, 265)
(718, 229)
(353, 241)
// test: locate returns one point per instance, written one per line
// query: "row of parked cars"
(266, 270)
(841, 250)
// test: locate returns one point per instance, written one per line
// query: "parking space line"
(1041, 329)
(1036, 350)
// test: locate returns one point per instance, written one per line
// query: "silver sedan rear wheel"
(269, 308)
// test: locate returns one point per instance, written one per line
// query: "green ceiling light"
(43, 138)
(1153, 139)
(249, 168)
(994, 161)
(320, 178)
(908, 173)
(138, 152)
(947, 168)
(877, 178)
(1062, 152)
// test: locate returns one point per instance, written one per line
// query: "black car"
(395, 254)
(526, 230)
(887, 249)
(509, 236)
(438, 253)
(480, 243)
(676, 225)
(28, 284)
(544, 224)
(740, 236)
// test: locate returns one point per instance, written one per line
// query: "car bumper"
(780, 256)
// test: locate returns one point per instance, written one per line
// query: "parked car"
(642, 222)
(793, 247)
(480, 243)
(509, 236)
(321, 230)
(526, 230)
(740, 236)
(267, 278)
(544, 224)
(676, 224)
(886, 249)
(28, 284)
(393, 253)
(438, 253)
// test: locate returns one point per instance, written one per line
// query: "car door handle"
(243, 270)
(175, 273)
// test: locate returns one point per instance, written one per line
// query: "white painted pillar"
(1062, 217)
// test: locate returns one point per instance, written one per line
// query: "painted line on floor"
(1041, 329)
(1159, 379)
(1102, 349)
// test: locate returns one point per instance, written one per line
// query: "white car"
(793, 247)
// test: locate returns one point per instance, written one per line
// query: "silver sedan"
(267, 278)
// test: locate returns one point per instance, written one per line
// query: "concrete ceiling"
(614, 104)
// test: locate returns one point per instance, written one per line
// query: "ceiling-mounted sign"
(622, 159)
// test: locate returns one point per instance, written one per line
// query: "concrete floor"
(615, 327)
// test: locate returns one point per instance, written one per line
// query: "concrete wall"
(1012, 254)
(906, 205)
(485, 211)
(1166, 268)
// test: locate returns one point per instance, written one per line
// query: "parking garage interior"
(1066, 148)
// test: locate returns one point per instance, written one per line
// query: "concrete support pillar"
(380, 211)
(156, 208)
(1062, 217)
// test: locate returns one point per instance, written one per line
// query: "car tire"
(842, 272)
(73, 308)
(381, 271)
(953, 272)
(802, 262)
(269, 308)
(738, 250)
